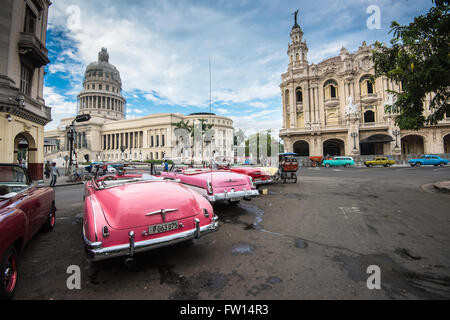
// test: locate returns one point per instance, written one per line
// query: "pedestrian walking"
(54, 171)
(47, 169)
(166, 166)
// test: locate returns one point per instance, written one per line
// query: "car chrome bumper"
(96, 252)
(233, 195)
(258, 182)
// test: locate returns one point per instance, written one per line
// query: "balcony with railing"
(32, 48)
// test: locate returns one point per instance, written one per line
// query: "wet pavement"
(310, 240)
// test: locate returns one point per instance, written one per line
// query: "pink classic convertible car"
(258, 175)
(131, 213)
(216, 185)
(25, 208)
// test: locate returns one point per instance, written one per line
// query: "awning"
(377, 138)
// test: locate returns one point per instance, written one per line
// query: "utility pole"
(71, 135)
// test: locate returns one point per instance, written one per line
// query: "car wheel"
(51, 219)
(418, 164)
(347, 165)
(294, 178)
(442, 164)
(233, 203)
(327, 165)
(8, 273)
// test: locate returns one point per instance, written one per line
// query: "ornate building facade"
(333, 108)
(23, 55)
(152, 137)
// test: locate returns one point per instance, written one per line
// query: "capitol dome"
(102, 90)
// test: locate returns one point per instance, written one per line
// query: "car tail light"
(105, 232)
(253, 184)
(209, 186)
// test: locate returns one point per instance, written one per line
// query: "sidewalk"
(442, 186)
(61, 181)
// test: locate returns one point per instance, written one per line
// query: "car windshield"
(12, 179)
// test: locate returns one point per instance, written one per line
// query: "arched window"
(297, 57)
(286, 98)
(366, 85)
(369, 116)
(331, 89)
(299, 95)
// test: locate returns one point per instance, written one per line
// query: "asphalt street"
(310, 240)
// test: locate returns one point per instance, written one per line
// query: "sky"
(162, 50)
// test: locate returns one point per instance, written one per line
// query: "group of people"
(50, 169)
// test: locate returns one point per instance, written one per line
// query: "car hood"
(127, 206)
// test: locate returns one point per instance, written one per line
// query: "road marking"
(405, 169)
(437, 169)
(347, 211)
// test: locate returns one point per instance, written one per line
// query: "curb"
(440, 188)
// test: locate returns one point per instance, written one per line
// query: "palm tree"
(191, 129)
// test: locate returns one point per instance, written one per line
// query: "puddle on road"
(273, 280)
(396, 280)
(406, 254)
(301, 244)
(293, 196)
(189, 289)
(244, 209)
(242, 248)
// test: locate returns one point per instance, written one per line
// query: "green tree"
(419, 61)
(191, 128)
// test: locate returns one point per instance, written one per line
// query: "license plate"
(163, 227)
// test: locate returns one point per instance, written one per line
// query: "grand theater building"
(152, 137)
(332, 108)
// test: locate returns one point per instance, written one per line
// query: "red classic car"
(126, 214)
(216, 186)
(25, 208)
(258, 175)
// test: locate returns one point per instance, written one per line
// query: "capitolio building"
(152, 137)
(331, 108)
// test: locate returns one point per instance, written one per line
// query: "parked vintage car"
(215, 186)
(258, 175)
(272, 172)
(127, 214)
(92, 165)
(339, 161)
(379, 161)
(25, 208)
(428, 160)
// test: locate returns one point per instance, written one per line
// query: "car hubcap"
(10, 274)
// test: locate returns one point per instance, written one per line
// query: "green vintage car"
(339, 161)
(379, 161)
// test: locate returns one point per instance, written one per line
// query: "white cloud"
(61, 107)
(165, 49)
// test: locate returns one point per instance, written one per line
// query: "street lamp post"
(122, 149)
(396, 133)
(71, 135)
(354, 135)
(140, 155)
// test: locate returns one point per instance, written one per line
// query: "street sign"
(83, 117)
